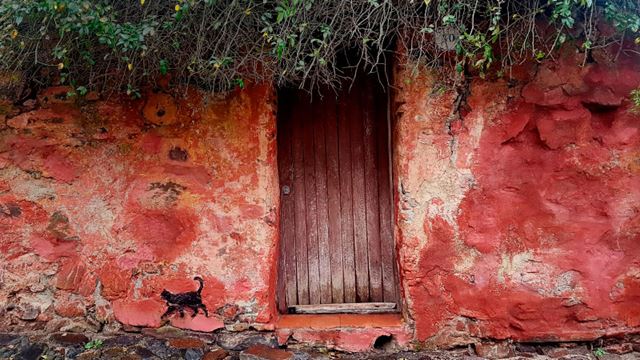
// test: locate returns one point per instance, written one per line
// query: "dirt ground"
(253, 345)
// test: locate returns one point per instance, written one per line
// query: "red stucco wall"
(518, 220)
(102, 209)
(522, 219)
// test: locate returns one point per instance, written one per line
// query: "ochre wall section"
(518, 219)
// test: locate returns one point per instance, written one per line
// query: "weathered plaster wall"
(521, 219)
(103, 206)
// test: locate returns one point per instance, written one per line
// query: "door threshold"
(338, 321)
(345, 308)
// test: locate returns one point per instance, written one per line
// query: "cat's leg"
(170, 310)
(195, 310)
(204, 309)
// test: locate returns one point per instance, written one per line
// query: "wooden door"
(336, 239)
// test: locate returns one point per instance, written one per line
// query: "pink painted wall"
(519, 220)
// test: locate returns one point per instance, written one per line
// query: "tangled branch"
(120, 45)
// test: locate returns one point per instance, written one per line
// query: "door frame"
(358, 308)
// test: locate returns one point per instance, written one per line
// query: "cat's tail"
(199, 279)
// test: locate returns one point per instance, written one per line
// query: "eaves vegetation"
(121, 45)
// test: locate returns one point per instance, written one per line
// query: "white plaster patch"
(100, 218)
(27, 187)
(512, 265)
(524, 269)
(208, 242)
(468, 258)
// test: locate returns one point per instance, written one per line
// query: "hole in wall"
(384, 342)
(600, 108)
(161, 112)
(178, 154)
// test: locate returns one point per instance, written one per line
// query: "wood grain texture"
(324, 258)
(311, 206)
(346, 203)
(287, 289)
(387, 245)
(336, 222)
(371, 193)
(355, 120)
(299, 191)
(334, 200)
(353, 308)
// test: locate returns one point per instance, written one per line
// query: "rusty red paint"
(166, 233)
(139, 312)
(115, 281)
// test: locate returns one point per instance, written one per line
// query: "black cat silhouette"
(191, 299)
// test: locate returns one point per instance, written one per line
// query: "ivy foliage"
(218, 44)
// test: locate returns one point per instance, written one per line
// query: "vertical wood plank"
(371, 189)
(302, 267)
(287, 288)
(359, 198)
(311, 208)
(334, 200)
(346, 205)
(282, 285)
(324, 258)
(387, 244)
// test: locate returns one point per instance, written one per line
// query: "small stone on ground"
(260, 346)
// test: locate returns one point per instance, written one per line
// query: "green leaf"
(164, 67)
(562, 38)
(93, 344)
(427, 30)
(459, 49)
(449, 19)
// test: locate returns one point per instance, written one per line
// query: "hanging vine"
(120, 45)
